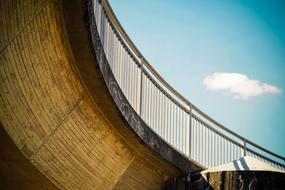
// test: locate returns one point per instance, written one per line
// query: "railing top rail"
(109, 11)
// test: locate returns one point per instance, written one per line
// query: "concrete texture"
(245, 180)
(245, 173)
(58, 111)
(16, 171)
(228, 180)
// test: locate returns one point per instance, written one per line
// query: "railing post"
(244, 147)
(141, 85)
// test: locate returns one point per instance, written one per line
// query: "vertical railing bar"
(244, 147)
(171, 110)
(178, 126)
(220, 151)
(146, 99)
(148, 90)
(155, 108)
(107, 39)
(144, 96)
(129, 78)
(111, 54)
(163, 110)
(173, 124)
(210, 148)
(150, 102)
(228, 151)
(194, 141)
(152, 95)
(120, 64)
(124, 72)
(204, 144)
(188, 133)
(168, 120)
(201, 142)
(137, 87)
(130, 81)
(198, 141)
(101, 24)
(160, 112)
(223, 150)
(134, 85)
(116, 56)
(181, 130)
(185, 132)
(232, 151)
(216, 149)
(181, 123)
(163, 124)
(141, 85)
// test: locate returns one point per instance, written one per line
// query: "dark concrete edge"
(141, 129)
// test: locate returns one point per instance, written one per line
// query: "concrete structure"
(66, 123)
(62, 120)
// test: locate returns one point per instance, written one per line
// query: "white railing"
(181, 124)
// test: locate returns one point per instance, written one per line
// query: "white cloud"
(238, 85)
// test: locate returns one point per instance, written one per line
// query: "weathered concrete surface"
(244, 173)
(245, 180)
(228, 180)
(57, 110)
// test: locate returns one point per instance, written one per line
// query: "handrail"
(161, 100)
(132, 46)
(119, 27)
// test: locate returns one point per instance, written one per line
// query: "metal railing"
(176, 120)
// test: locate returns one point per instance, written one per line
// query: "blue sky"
(196, 44)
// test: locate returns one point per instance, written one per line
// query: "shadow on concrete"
(16, 172)
(236, 165)
(195, 181)
(244, 164)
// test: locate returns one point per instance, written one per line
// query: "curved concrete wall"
(60, 121)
